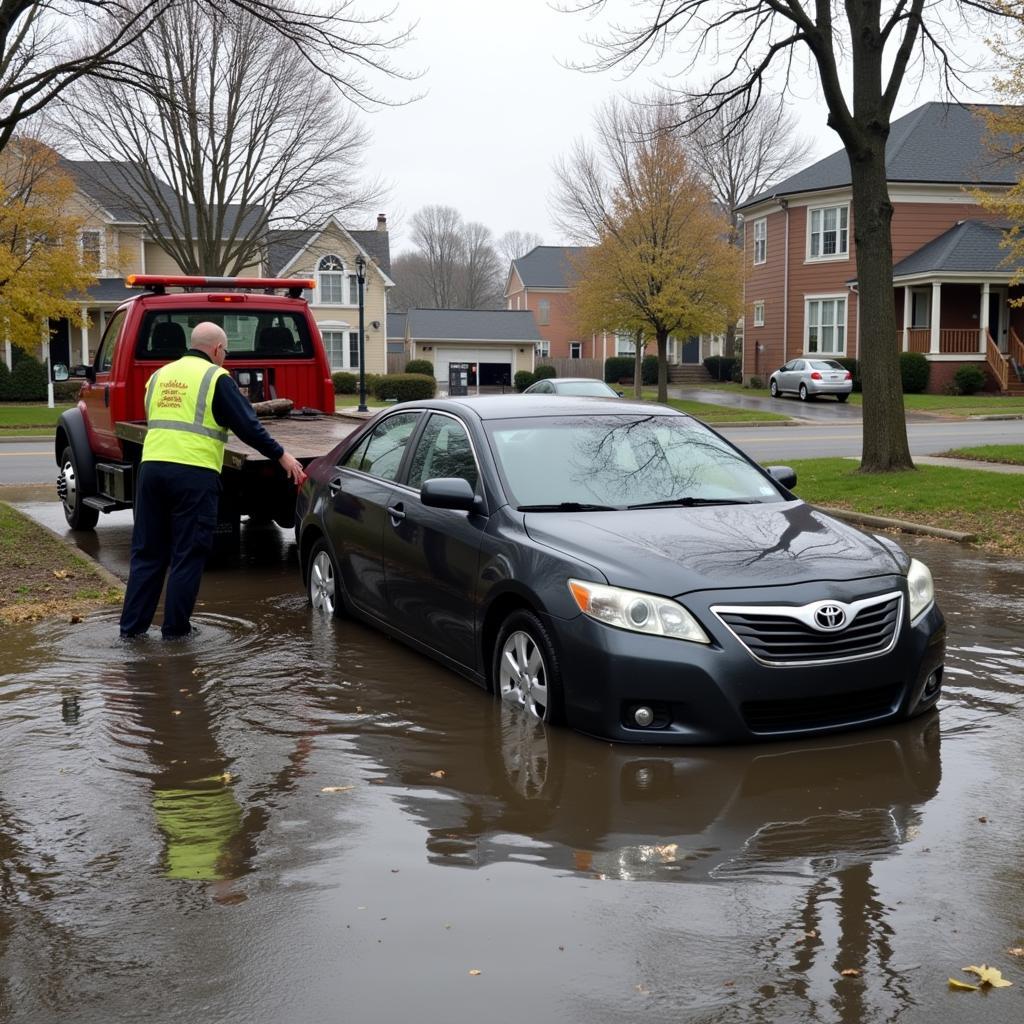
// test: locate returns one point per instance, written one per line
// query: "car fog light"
(932, 683)
(643, 716)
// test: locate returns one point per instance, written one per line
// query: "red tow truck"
(274, 352)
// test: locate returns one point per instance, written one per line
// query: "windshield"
(620, 461)
(585, 388)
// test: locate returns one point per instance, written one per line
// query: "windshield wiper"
(567, 506)
(689, 502)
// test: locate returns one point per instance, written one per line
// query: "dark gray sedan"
(622, 568)
(574, 387)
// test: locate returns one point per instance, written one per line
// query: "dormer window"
(331, 281)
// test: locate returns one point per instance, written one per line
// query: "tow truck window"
(255, 335)
(105, 355)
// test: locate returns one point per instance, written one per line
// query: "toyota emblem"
(830, 617)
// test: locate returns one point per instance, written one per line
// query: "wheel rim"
(67, 487)
(321, 583)
(523, 676)
(774, 389)
(803, 392)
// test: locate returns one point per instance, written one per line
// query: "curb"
(22, 438)
(903, 525)
(715, 424)
(999, 416)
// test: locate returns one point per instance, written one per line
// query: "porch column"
(85, 335)
(8, 354)
(936, 316)
(983, 317)
(46, 362)
(907, 313)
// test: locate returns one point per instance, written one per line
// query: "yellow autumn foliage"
(40, 268)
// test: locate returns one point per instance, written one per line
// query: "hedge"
(544, 372)
(523, 379)
(648, 370)
(404, 387)
(969, 379)
(424, 366)
(914, 371)
(618, 368)
(27, 381)
(66, 390)
(721, 367)
(5, 380)
(347, 382)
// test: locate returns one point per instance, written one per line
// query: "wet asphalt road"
(295, 819)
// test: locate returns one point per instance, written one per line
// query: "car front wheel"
(323, 587)
(525, 668)
(773, 389)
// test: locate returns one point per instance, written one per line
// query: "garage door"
(494, 365)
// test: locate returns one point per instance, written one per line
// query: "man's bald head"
(211, 339)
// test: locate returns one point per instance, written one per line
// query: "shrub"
(523, 379)
(914, 371)
(755, 382)
(737, 372)
(721, 367)
(28, 381)
(649, 370)
(424, 366)
(544, 372)
(969, 379)
(618, 368)
(345, 383)
(403, 387)
(854, 368)
(5, 380)
(66, 390)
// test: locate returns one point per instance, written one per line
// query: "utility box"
(458, 379)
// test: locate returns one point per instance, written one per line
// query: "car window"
(443, 451)
(826, 364)
(105, 356)
(381, 453)
(586, 389)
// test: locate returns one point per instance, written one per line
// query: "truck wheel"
(78, 515)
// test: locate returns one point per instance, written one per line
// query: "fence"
(396, 362)
(574, 367)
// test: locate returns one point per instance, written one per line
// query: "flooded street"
(291, 819)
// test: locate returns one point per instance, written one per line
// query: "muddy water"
(297, 820)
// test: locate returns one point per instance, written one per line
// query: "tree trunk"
(638, 365)
(884, 448)
(662, 365)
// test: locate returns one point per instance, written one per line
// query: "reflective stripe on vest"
(178, 433)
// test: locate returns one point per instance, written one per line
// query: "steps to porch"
(688, 375)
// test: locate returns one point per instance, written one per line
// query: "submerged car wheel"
(78, 515)
(803, 393)
(773, 387)
(323, 588)
(525, 670)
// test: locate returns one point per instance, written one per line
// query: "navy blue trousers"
(175, 517)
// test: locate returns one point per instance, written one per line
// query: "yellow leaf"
(961, 986)
(850, 972)
(336, 789)
(989, 976)
(474, 972)
(439, 774)
(1016, 951)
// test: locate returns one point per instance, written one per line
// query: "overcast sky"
(500, 107)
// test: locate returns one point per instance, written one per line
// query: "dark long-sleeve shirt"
(232, 410)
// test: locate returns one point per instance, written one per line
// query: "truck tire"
(78, 515)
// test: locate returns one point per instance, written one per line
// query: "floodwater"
(295, 820)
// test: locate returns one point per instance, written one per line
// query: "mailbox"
(458, 378)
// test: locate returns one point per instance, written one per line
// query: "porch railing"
(919, 339)
(1016, 348)
(952, 341)
(997, 362)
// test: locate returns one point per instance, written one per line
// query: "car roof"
(575, 380)
(507, 407)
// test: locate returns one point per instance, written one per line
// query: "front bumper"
(719, 694)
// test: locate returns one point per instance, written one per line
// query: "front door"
(997, 321)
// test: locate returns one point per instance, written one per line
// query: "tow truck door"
(97, 394)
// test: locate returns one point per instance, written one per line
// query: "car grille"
(792, 715)
(780, 635)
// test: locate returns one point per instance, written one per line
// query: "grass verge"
(1011, 454)
(15, 419)
(42, 578)
(990, 505)
(711, 413)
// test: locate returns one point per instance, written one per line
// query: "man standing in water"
(190, 405)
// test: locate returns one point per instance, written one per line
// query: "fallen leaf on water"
(1016, 951)
(196, 671)
(983, 820)
(474, 972)
(961, 986)
(439, 774)
(75, 620)
(810, 935)
(850, 972)
(175, 712)
(667, 852)
(989, 976)
(336, 789)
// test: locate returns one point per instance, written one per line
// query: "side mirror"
(449, 492)
(784, 475)
(620, 393)
(84, 372)
(60, 373)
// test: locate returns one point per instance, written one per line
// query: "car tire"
(803, 393)
(773, 389)
(842, 398)
(323, 583)
(79, 516)
(525, 670)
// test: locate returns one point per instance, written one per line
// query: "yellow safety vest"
(179, 409)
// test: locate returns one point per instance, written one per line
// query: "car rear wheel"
(803, 393)
(842, 398)
(525, 669)
(79, 516)
(773, 387)
(323, 587)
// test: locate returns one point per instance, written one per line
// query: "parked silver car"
(577, 387)
(809, 378)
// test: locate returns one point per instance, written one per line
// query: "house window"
(544, 312)
(825, 330)
(334, 344)
(353, 350)
(761, 240)
(759, 314)
(353, 290)
(920, 307)
(625, 345)
(575, 349)
(331, 281)
(91, 247)
(828, 232)
(544, 349)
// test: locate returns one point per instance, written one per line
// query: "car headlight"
(640, 613)
(921, 587)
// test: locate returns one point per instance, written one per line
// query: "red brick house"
(951, 286)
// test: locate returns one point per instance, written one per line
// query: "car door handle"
(334, 486)
(397, 513)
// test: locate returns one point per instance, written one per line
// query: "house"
(495, 343)
(951, 286)
(542, 282)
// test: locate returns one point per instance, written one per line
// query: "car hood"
(673, 551)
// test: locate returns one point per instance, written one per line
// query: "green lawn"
(711, 413)
(990, 505)
(1011, 453)
(14, 418)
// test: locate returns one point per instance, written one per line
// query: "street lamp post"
(361, 278)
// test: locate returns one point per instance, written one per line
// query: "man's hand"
(293, 468)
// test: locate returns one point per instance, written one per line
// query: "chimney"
(382, 222)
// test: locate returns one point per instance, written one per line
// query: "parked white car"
(809, 378)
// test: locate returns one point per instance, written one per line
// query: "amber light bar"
(159, 283)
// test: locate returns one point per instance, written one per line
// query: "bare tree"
(245, 139)
(871, 44)
(46, 47)
(481, 269)
(412, 284)
(437, 236)
(514, 244)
